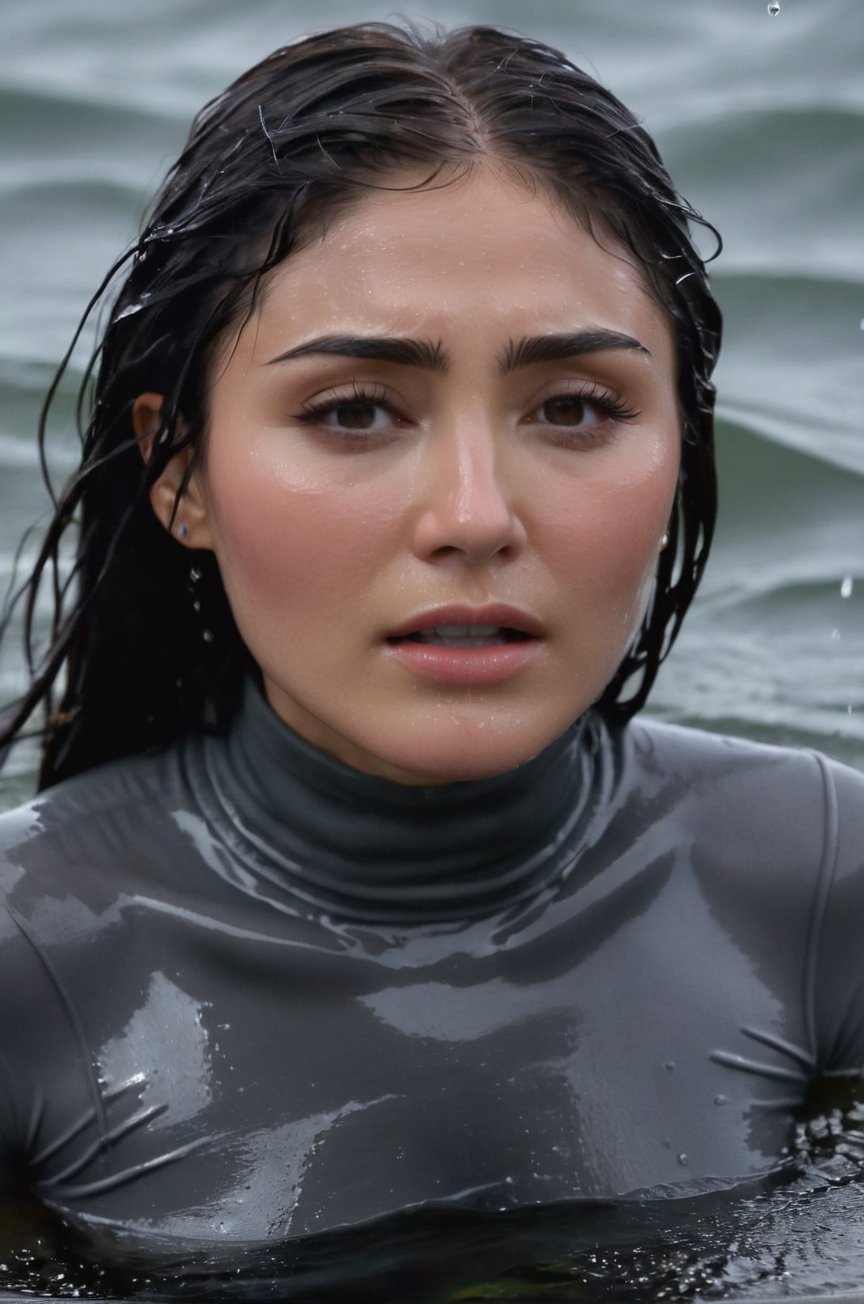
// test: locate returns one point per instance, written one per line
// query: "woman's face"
(441, 459)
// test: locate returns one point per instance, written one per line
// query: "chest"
(273, 1084)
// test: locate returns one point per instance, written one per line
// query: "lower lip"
(472, 667)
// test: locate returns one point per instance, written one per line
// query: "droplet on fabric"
(683, 1160)
(207, 635)
(846, 586)
(720, 1099)
(773, 10)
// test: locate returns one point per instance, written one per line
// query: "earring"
(664, 542)
(183, 530)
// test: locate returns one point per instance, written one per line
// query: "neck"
(318, 834)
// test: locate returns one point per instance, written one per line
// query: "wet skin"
(348, 496)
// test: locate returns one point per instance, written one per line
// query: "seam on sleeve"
(72, 1017)
(827, 870)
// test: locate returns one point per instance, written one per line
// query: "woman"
(353, 885)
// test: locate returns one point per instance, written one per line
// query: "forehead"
(486, 245)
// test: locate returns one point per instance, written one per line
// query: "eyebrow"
(383, 348)
(431, 356)
(552, 348)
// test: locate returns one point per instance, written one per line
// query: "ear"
(181, 509)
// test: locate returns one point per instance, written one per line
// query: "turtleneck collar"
(318, 833)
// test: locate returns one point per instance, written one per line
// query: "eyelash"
(376, 395)
(602, 398)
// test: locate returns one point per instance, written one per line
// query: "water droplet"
(683, 1160)
(669, 1066)
(773, 10)
(207, 635)
(194, 575)
(846, 586)
(196, 606)
(835, 634)
(720, 1099)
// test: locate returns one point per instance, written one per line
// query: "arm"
(38, 1055)
(838, 953)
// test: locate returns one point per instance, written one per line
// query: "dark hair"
(146, 639)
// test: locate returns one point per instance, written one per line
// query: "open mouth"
(465, 636)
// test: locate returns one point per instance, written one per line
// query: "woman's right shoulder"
(103, 819)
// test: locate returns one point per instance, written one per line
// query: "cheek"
(607, 532)
(302, 543)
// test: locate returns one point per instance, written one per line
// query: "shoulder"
(712, 752)
(762, 805)
(764, 776)
(103, 819)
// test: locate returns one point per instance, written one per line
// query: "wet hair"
(142, 639)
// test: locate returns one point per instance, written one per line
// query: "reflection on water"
(795, 1235)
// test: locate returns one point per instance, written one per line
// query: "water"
(760, 119)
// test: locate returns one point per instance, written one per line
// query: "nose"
(467, 507)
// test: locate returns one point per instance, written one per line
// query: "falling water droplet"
(846, 586)
(207, 635)
(194, 575)
(720, 1099)
(773, 10)
(835, 634)
(683, 1160)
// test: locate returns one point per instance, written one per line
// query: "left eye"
(358, 414)
(569, 410)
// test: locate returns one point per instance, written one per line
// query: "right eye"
(357, 413)
(350, 414)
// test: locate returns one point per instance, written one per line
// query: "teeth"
(461, 635)
(465, 631)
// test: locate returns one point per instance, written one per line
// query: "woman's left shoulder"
(704, 750)
(795, 798)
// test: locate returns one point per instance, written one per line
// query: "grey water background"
(761, 120)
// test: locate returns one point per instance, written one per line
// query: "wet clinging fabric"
(250, 993)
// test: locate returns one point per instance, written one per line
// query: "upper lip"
(497, 613)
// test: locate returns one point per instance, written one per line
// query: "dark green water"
(762, 122)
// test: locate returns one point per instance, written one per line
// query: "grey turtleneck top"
(249, 993)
